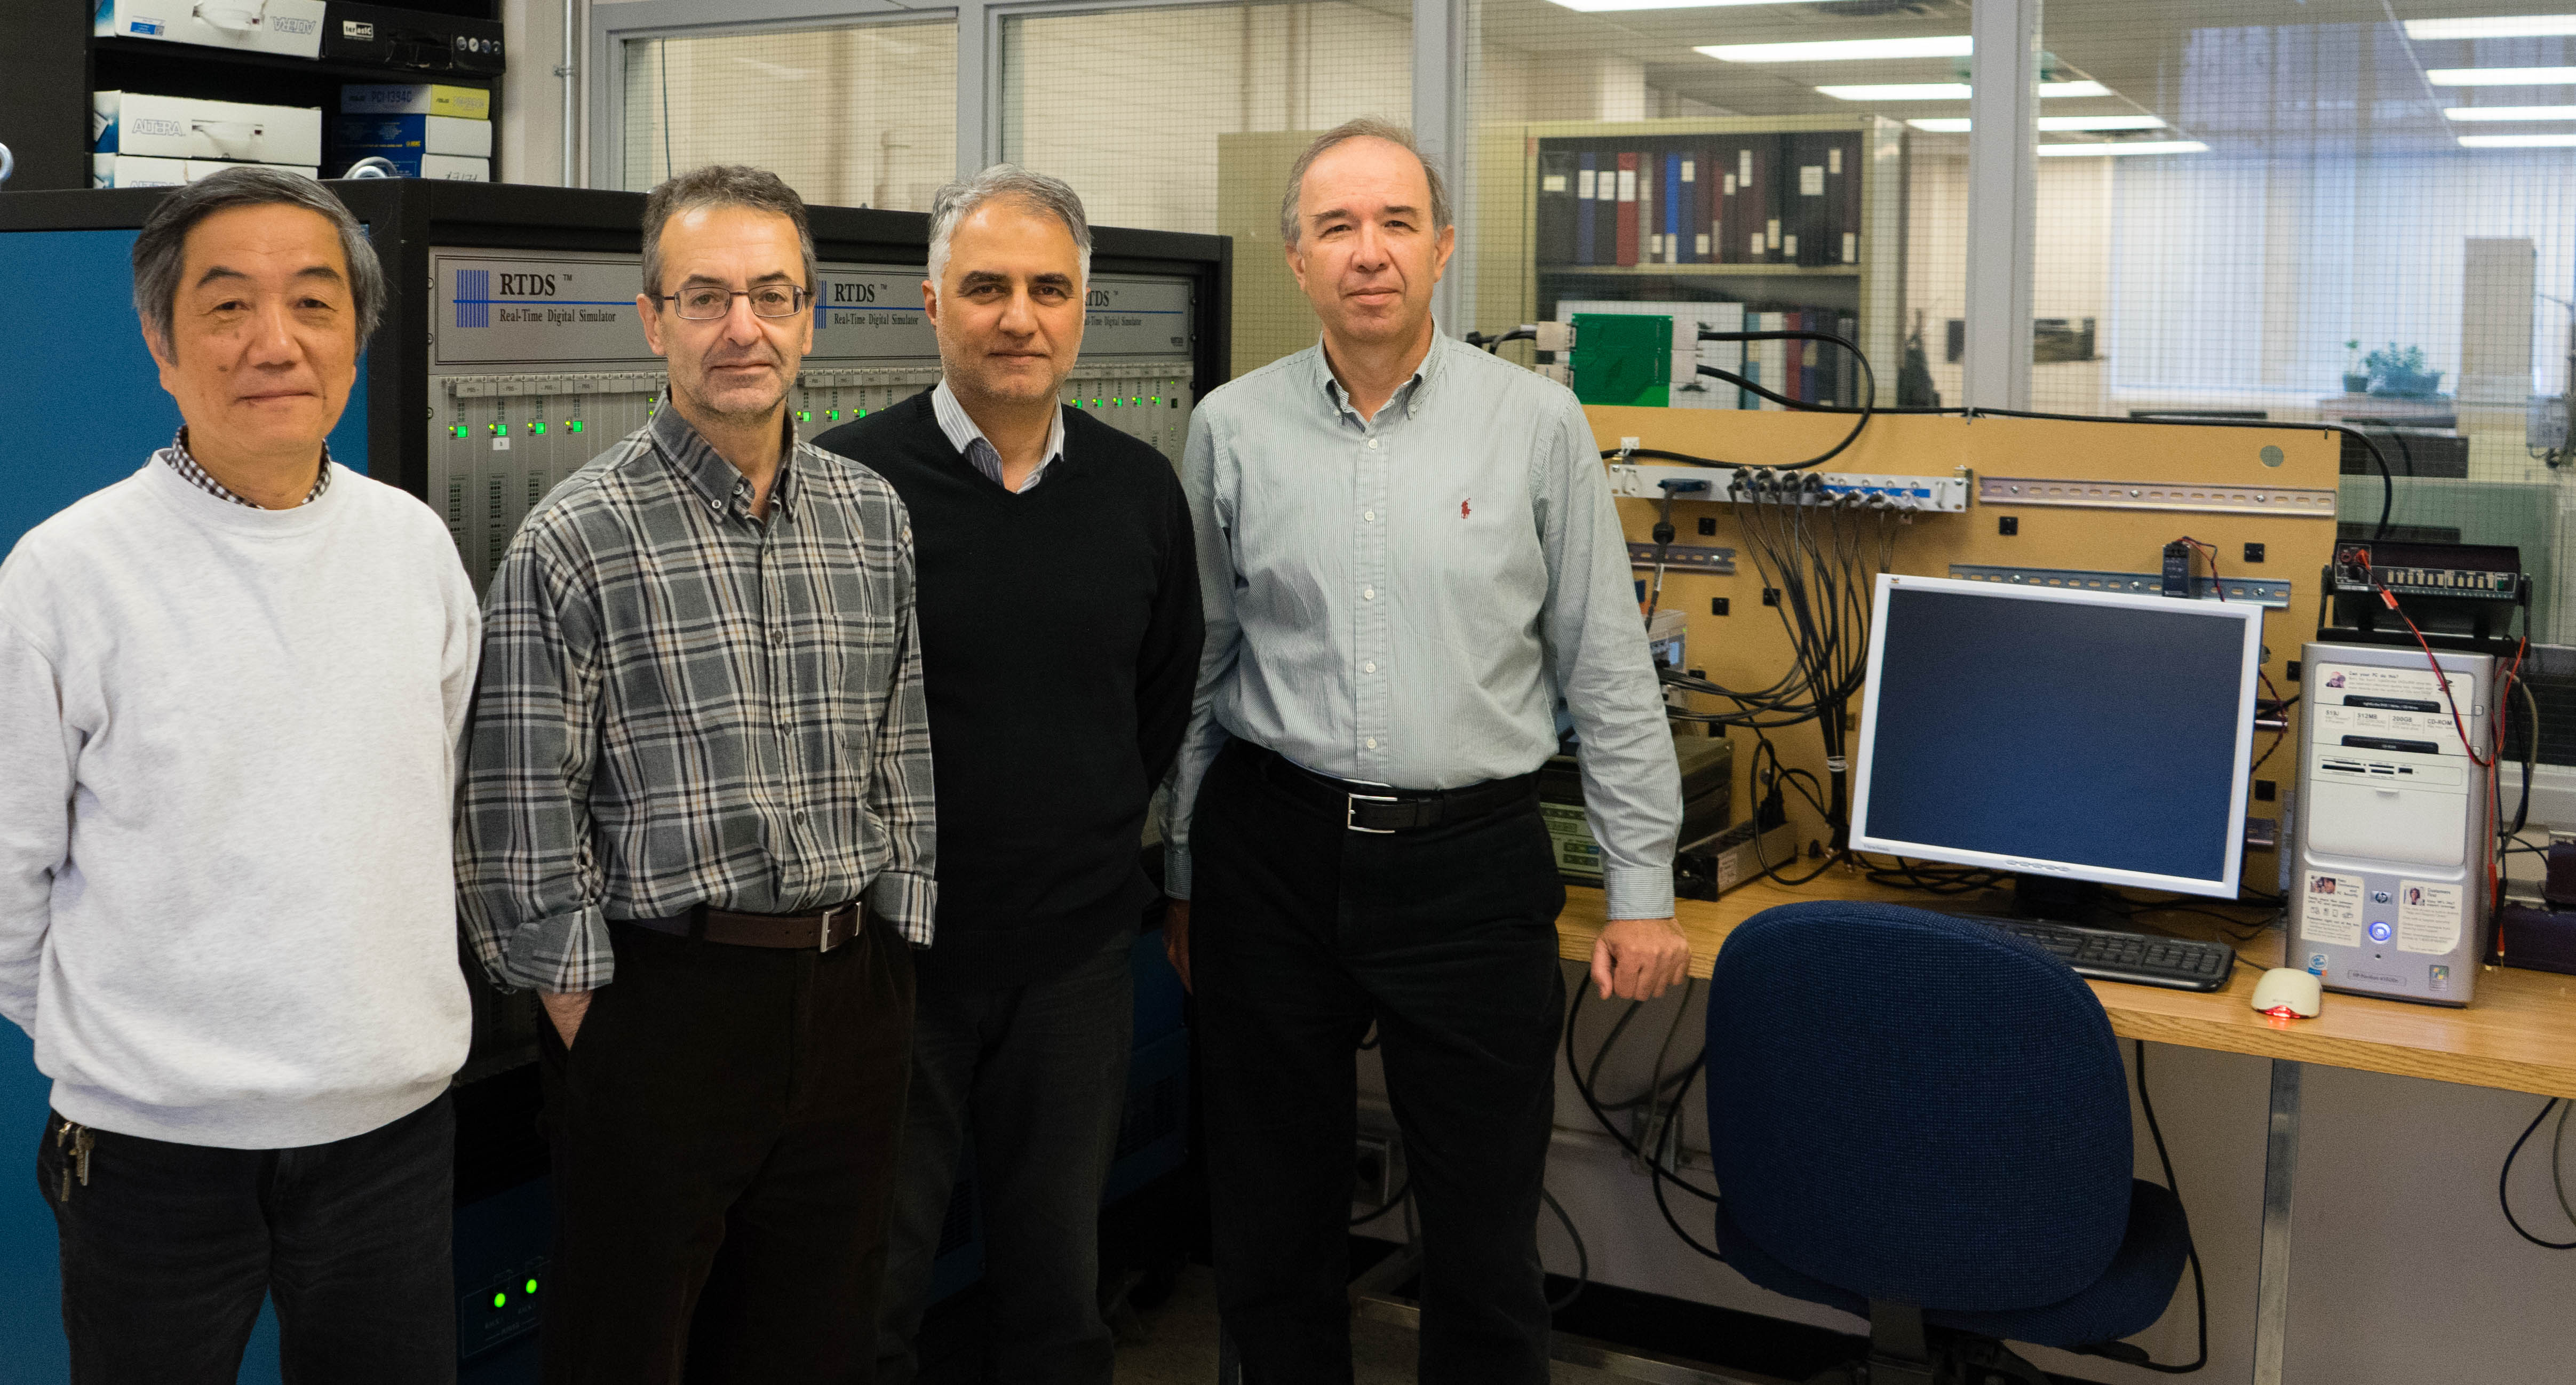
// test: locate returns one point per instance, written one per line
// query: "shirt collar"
(186, 464)
(963, 432)
(1407, 397)
(717, 481)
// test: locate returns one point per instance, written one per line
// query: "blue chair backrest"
(1916, 1108)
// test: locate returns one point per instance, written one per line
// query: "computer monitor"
(2059, 734)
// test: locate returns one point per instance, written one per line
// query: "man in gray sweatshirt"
(231, 687)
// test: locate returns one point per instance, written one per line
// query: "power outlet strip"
(1745, 485)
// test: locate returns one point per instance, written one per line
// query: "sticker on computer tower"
(2330, 911)
(2359, 707)
(2428, 917)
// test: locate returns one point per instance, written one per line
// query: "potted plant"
(2399, 372)
(2355, 379)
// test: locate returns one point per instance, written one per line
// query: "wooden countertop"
(2519, 1035)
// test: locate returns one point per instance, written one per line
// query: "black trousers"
(1302, 933)
(724, 1134)
(168, 1249)
(1038, 1075)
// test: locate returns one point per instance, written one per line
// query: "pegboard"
(2109, 497)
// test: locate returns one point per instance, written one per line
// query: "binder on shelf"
(1724, 223)
(1625, 245)
(1695, 209)
(1676, 197)
(1584, 175)
(1553, 237)
(1650, 241)
(1848, 328)
(1847, 198)
(1811, 238)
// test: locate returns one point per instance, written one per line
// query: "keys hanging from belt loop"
(75, 1141)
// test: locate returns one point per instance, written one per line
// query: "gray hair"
(960, 200)
(722, 185)
(160, 252)
(1366, 127)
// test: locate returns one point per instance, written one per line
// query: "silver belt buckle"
(823, 939)
(1351, 812)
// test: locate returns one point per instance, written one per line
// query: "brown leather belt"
(822, 931)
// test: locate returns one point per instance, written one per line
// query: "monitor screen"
(2093, 736)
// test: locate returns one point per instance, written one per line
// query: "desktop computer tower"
(2395, 821)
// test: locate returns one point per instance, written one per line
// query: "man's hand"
(1176, 937)
(1639, 959)
(565, 1008)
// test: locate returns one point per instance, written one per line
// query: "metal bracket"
(2269, 592)
(1684, 557)
(2156, 495)
(1858, 490)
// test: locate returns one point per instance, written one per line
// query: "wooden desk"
(2519, 1036)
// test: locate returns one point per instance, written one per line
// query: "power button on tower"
(2379, 932)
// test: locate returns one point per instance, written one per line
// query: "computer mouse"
(2289, 993)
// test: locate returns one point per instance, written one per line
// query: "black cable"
(1403, 1190)
(2130, 1353)
(1868, 406)
(2505, 1202)
(1583, 1089)
(1582, 1257)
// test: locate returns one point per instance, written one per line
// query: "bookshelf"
(1526, 265)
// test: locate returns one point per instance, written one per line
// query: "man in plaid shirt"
(697, 821)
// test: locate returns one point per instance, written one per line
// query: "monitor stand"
(2047, 899)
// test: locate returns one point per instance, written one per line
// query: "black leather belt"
(1374, 808)
(822, 931)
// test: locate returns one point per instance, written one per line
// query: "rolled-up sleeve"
(1596, 644)
(528, 879)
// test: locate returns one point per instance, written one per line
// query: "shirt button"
(778, 638)
(1372, 444)
(1372, 742)
(1369, 515)
(1368, 593)
(1369, 667)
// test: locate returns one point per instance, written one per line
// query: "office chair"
(1925, 1121)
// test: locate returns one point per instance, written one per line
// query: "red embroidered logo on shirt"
(1462, 509)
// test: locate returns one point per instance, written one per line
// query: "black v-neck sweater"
(1060, 632)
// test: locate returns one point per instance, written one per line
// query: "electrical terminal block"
(1765, 485)
(1554, 336)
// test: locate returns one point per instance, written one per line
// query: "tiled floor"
(1175, 1344)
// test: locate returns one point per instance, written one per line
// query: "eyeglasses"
(703, 303)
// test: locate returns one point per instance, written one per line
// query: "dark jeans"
(724, 1135)
(1302, 933)
(168, 1249)
(1038, 1074)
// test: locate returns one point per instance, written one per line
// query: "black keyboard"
(2143, 959)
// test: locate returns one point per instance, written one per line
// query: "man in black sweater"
(1059, 605)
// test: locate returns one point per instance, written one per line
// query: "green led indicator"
(574, 426)
(500, 430)
(1135, 399)
(458, 430)
(501, 1300)
(1157, 399)
(831, 415)
(804, 415)
(1095, 403)
(537, 428)
(863, 413)
(532, 1286)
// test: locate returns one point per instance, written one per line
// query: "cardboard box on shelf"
(415, 98)
(135, 171)
(178, 127)
(292, 28)
(356, 136)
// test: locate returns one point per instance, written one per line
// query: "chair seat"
(2126, 1300)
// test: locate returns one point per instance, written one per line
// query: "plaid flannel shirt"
(682, 704)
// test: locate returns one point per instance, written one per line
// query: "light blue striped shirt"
(967, 437)
(1404, 600)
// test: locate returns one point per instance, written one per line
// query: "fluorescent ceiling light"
(2499, 26)
(1597, 6)
(2499, 76)
(1944, 46)
(2511, 112)
(2518, 141)
(1958, 125)
(1948, 91)
(2135, 146)
(1901, 91)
